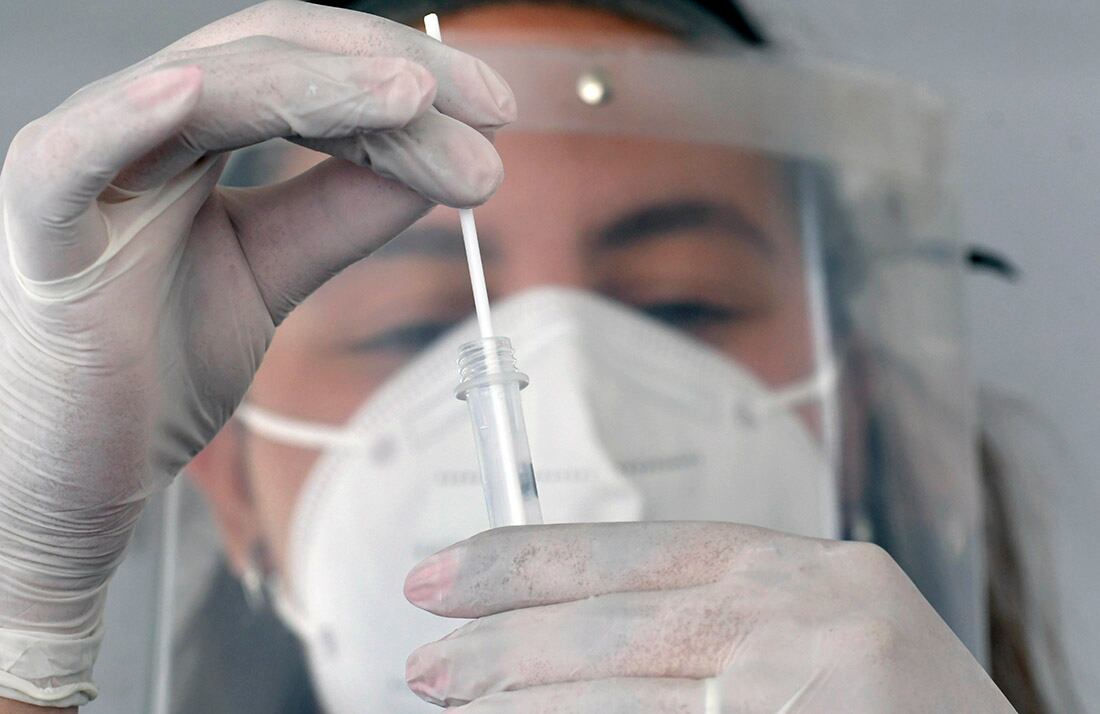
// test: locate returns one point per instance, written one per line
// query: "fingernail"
(500, 91)
(162, 85)
(427, 677)
(429, 582)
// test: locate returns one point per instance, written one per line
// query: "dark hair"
(687, 18)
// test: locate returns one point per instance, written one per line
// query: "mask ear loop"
(262, 586)
(295, 432)
(817, 387)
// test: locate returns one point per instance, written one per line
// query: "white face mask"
(627, 420)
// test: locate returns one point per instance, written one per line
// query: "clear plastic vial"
(490, 385)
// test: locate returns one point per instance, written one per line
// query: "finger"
(442, 159)
(607, 696)
(299, 233)
(57, 166)
(683, 633)
(510, 568)
(269, 88)
(469, 90)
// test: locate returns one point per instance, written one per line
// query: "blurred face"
(699, 237)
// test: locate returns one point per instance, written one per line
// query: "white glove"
(136, 300)
(691, 618)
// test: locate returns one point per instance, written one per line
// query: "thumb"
(57, 166)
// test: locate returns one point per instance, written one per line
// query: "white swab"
(490, 386)
(469, 230)
(431, 26)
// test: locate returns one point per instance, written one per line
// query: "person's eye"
(408, 338)
(689, 314)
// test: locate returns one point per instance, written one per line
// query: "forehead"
(612, 171)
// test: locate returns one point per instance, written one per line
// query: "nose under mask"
(627, 419)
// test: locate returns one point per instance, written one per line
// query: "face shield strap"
(289, 611)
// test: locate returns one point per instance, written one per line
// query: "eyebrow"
(658, 219)
(433, 242)
(644, 224)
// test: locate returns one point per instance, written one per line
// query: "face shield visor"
(736, 288)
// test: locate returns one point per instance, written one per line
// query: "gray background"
(1023, 78)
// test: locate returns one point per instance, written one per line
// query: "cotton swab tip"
(431, 27)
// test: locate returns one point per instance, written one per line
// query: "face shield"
(736, 287)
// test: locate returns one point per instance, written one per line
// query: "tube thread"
(488, 360)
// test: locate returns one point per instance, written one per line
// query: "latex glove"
(687, 618)
(137, 300)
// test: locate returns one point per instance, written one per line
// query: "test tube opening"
(484, 361)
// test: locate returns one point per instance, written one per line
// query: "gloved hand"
(686, 618)
(137, 300)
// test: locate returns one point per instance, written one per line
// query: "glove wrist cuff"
(48, 671)
(74, 694)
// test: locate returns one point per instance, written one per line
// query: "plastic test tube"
(490, 385)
